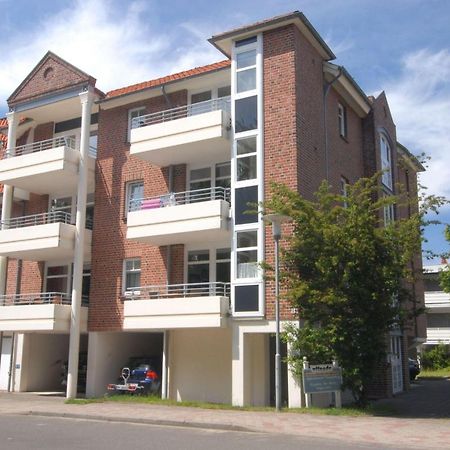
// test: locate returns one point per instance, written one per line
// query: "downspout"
(326, 89)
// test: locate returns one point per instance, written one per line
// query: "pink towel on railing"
(151, 204)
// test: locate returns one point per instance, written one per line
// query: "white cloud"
(117, 44)
(420, 102)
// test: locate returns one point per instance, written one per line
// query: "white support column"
(237, 367)
(294, 388)
(86, 99)
(165, 360)
(8, 193)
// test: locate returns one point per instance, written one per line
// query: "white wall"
(256, 387)
(110, 352)
(200, 365)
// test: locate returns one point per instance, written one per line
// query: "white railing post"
(86, 99)
(307, 396)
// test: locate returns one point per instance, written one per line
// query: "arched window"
(386, 162)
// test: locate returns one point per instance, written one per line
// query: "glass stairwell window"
(247, 254)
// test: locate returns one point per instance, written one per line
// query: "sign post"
(321, 378)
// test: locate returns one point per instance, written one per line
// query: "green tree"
(346, 275)
(445, 274)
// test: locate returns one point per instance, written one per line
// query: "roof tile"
(160, 81)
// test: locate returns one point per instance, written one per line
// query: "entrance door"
(396, 364)
(5, 361)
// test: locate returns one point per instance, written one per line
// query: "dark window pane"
(246, 114)
(246, 80)
(198, 273)
(223, 272)
(246, 145)
(57, 270)
(200, 174)
(243, 197)
(224, 91)
(247, 239)
(246, 298)
(223, 170)
(223, 253)
(132, 280)
(246, 168)
(432, 284)
(198, 255)
(245, 41)
(201, 97)
(57, 284)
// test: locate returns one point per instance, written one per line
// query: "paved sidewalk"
(400, 432)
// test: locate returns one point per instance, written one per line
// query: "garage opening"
(109, 353)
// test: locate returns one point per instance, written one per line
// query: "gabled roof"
(168, 79)
(223, 41)
(51, 74)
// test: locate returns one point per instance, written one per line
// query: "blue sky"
(401, 46)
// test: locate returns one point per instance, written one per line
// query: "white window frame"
(68, 275)
(212, 177)
(125, 272)
(238, 250)
(386, 162)
(342, 120)
(388, 214)
(344, 185)
(128, 193)
(243, 49)
(130, 118)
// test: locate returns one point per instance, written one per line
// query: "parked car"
(414, 369)
(140, 376)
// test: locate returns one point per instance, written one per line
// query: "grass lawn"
(371, 410)
(436, 373)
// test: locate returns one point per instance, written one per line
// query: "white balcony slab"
(181, 224)
(53, 241)
(53, 171)
(437, 301)
(191, 312)
(45, 318)
(190, 139)
(438, 335)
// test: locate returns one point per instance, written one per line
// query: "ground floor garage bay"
(232, 364)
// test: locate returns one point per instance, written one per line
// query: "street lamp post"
(276, 220)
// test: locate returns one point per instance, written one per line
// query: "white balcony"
(438, 335)
(44, 311)
(180, 218)
(191, 133)
(46, 167)
(195, 305)
(41, 237)
(437, 301)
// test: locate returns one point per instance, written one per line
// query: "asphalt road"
(33, 433)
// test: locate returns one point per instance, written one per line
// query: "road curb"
(161, 422)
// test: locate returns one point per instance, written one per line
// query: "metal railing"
(42, 219)
(178, 290)
(40, 298)
(180, 112)
(68, 141)
(180, 198)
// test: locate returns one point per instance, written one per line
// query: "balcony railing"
(178, 290)
(180, 112)
(40, 219)
(180, 198)
(40, 298)
(48, 144)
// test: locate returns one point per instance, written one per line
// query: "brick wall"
(115, 167)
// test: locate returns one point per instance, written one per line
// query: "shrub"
(437, 358)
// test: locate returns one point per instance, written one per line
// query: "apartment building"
(437, 304)
(125, 222)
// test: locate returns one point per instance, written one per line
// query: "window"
(246, 71)
(198, 266)
(342, 120)
(200, 179)
(247, 254)
(131, 273)
(344, 193)
(223, 265)
(57, 279)
(388, 214)
(201, 97)
(134, 195)
(63, 208)
(246, 115)
(386, 162)
(223, 175)
(90, 211)
(197, 103)
(86, 283)
(438, 320)
(134, 114)
(432, 282)
(246, 159)
(224, 91)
